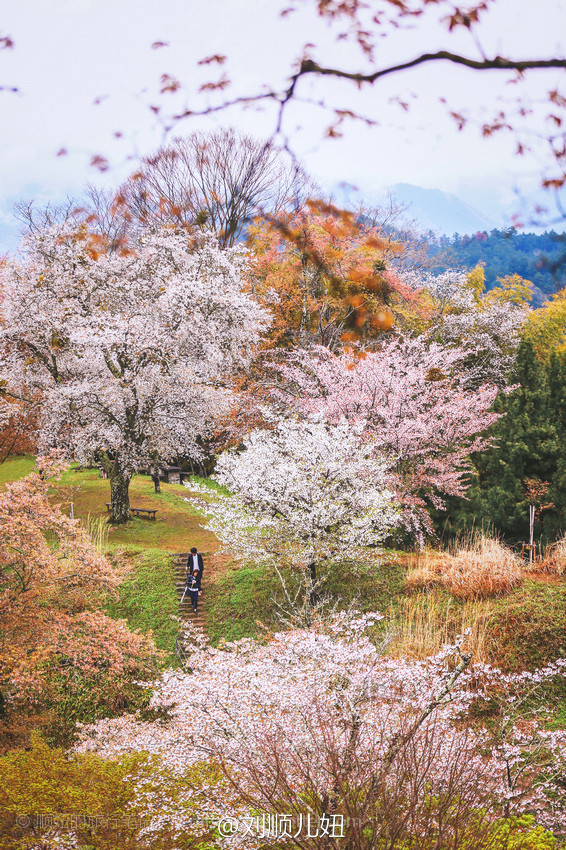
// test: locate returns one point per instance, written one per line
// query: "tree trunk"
(314, 597)
(156, 482)
(119, 495)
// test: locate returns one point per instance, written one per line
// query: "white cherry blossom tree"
(127, 352)
(484, 326)
(303, 493)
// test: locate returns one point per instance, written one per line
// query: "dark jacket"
(189, 568)
(193, 583)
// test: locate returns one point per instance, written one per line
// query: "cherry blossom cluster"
(309, 715)
(301, 493)
(126, 352)
(414, 409)
(485, 330)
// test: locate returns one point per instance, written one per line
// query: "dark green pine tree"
(526, 445)
(554, 520)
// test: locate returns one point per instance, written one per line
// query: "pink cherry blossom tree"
(319, 726)
(413, 404)
(126, 352)
(53, 582)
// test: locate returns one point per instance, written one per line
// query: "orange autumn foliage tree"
(17, 436)
(322, 272)
(324, 276)
(53, 636)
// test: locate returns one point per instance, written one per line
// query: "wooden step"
(185, 609)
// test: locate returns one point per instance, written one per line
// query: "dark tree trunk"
(119, 495)
(314, 597)
(156, 482)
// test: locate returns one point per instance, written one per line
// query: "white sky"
(70, 52)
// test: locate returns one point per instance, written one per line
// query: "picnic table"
(138, 511)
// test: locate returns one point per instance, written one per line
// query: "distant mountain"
(431, 209)
(532, 211)
(441, 211)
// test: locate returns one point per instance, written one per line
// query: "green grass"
(367, 587)
(529, 627)
(243, 599)
(210, 485)
(177, 527)
(15, 468)
(237, 601)
(148, 599)
(559, 721)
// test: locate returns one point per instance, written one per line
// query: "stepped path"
(215, 565)
(185, 609)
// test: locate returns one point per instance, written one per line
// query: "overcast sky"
(85, 70)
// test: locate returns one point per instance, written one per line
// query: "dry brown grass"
(97, 528)
(423, 624)
(478, 567)
(554, 560)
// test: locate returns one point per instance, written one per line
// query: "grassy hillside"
(15, 468)
(148, 599)
(176, 528)
(525, 628)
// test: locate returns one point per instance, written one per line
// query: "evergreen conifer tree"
(554, 520)
(528, 442)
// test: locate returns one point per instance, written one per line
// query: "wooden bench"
(138, 511)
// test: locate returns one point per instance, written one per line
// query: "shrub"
(515, 833)
(554, 561)
(55, 638)
(479, 567)
(50, 798)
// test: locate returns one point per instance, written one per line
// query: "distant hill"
(485, 209)
(460, 237)
(441, 212)
(540, 258)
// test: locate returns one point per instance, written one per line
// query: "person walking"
(193, 586)
(195, 562)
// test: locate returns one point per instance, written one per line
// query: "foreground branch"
(308, 66)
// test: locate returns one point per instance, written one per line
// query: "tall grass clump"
(97, 529)
(478, 567)
(554, 560)
(423, 623)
